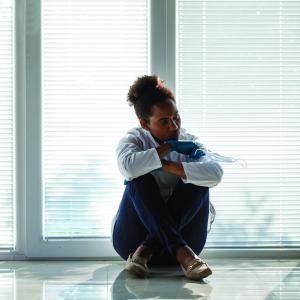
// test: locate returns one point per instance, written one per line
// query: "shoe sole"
(196, 276)
(203, 275)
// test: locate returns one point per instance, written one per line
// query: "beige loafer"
(136, 266)
(197, 269)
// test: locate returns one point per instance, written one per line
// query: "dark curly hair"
(145, 92)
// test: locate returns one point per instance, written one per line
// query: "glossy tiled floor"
(231, 279)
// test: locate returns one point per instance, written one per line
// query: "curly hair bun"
(145, 92)
(141, 87)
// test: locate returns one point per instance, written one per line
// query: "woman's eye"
(166, 121)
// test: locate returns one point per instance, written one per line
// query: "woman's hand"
(197, 154)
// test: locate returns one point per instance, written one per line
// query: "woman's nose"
(174, 125)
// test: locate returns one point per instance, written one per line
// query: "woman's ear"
(144, 125)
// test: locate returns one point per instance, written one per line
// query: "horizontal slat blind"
(6, 126)
(238, 84)
(92, 52)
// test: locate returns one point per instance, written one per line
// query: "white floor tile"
(231, 279)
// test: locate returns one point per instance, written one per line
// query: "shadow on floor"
(161, 284)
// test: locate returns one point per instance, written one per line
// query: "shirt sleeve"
(203, 172)
(133, 161)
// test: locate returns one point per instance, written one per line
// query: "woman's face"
(164, 122)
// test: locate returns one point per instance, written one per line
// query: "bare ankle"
(184, 255)
(143, 252)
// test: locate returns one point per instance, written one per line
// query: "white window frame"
(36, 247)
(29, 242)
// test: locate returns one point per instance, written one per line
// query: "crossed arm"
(172, 167)
(134, 162)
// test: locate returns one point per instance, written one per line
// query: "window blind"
(92, 52)
(6, 126)
(238, 76)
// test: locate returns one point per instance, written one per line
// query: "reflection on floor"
(231, 279)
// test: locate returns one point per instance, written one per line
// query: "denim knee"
(143, 179)
(143, 182)
(193, 187)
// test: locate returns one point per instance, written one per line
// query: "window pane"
(238, 86)
(92, 52)
(6, 126)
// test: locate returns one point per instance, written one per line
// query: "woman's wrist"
(173, 167)
(163, 150)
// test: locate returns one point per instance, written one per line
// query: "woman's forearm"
(172, 167)
(163, 150)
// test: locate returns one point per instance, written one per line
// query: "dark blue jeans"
(144, 218)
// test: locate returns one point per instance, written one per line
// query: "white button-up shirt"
(137, 155)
